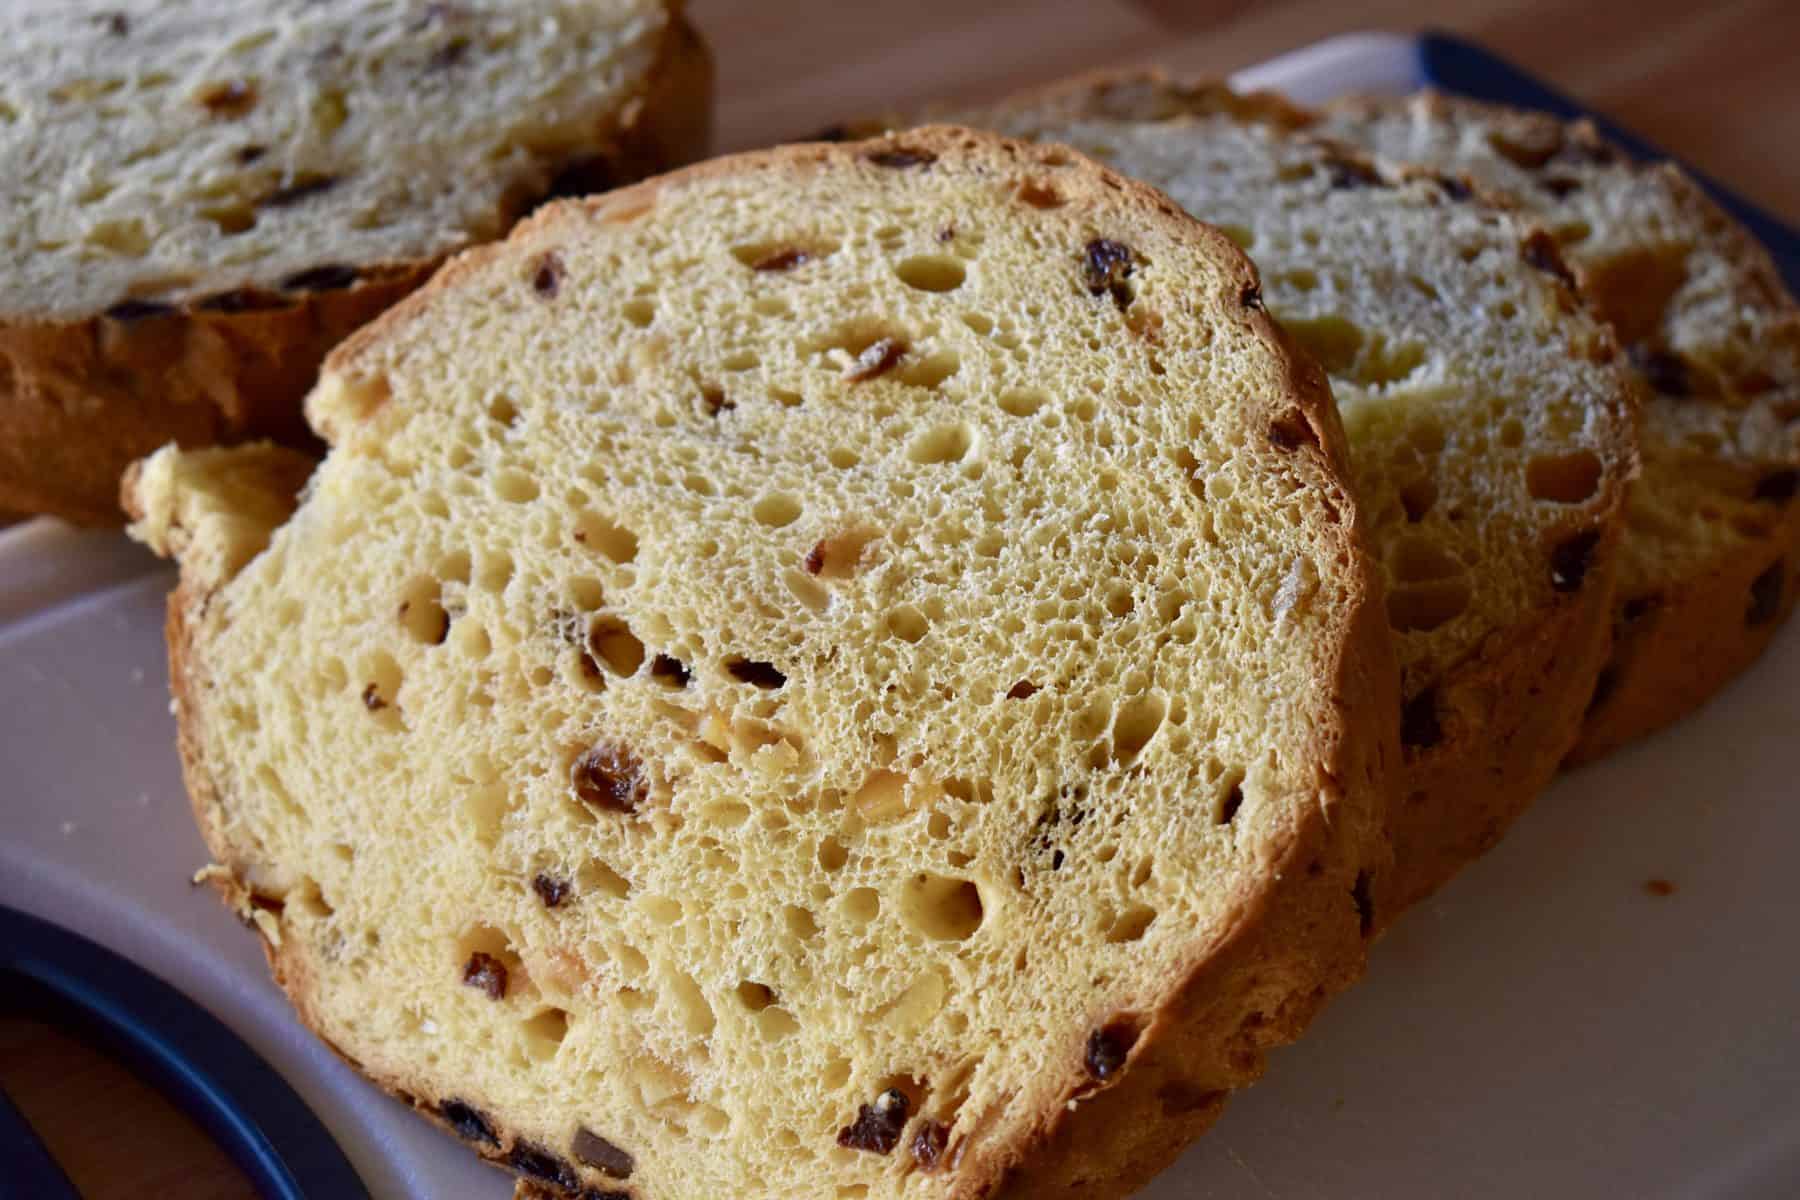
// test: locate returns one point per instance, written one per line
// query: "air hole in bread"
(544, 1033)
(639, 311)
(941, 907)
(932, 272)
(494, 570)
(600, 533)
(1231, 798)
(831, 854)
(776, 510)
(861, 905)
(421, 612)
(611, 642)
(691, 1005)
(515, 486)
(1429, 605)
(907, 623)
(231, 219)
(929, 370)
(1135, 723)
(1332, 340)
(1131, 924)
(1564, 478)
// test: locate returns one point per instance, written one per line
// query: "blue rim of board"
(1454, 65)
(177, 1047)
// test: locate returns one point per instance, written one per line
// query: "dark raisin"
(670, 670)
(138, 310)
(321, 279)
(1570, 561)
(1293, 430)
(486, 972)
(467, 1122)
(1665, 371)
(1350, 174)
(928, 1143)
(761, 674)
(1107, 1049)
(1056, 860)
(814, 562)
(713, 396)
(608, 777)
(1543, 143)
(1455, 188)
(1777, 487)
(1234, 800)
(239, 300)
(546, 281)
(372, 699)
(1105, 266)
(1605, 684)
(1022, 690)
(900, 158)
(300, 189)
(596, 1151)
(877, 1126)
(1765, 596)
(249, 154)
(876, 358)
(115, 23)
(539, 1163)
(1251, 298)
(1540, 251)
(782, 260)
(1419, 725)
(230, 99)
(550, 890)
(448, 55)
(1560, 186)
(1365, 903)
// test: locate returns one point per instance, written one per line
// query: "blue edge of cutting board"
(221, 1083)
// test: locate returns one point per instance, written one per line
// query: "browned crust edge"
(1293, 942)
(81, 400)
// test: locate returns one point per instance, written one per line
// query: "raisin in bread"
(1490, 424)
(1709, 560)
(848, 670)
(203, 199)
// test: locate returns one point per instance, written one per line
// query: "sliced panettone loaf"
(202, 199)
(1713, 544)
(1489, 423)
(845, 671)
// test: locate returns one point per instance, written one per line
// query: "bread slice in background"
(1714, 338)
(202, 199)
(1489, 419)
(843, 670)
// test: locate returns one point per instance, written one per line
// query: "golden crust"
(1298, 932)
(80, 400)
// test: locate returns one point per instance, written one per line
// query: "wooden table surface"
(1716, 84)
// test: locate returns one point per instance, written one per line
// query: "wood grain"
(1716, 84)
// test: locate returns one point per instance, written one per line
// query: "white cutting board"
(1544, 1028)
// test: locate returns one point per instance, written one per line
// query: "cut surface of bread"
(201, 200)
(1489, 425)
(782, 686)
(1713, 545)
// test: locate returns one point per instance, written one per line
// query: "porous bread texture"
(1489, 420)
(202, 201)
(1713, 543)
(846, 671)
